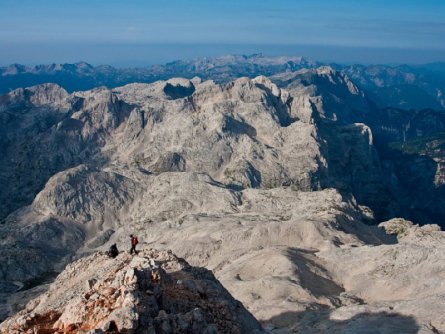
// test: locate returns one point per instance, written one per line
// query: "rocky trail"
(151, 292)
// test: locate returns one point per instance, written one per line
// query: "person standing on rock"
(134, 242)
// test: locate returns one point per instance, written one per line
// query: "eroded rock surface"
(151, 292)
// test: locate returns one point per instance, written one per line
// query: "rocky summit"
(151, 292)
(274, 184)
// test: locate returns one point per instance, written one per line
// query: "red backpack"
(135, 241)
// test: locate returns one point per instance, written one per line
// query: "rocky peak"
(408, 232)
(82, 65)
(100, 110)
(36, 96)
(265, 82)
(332, 95)
(13, 69)
(153, 291)
(47, 94)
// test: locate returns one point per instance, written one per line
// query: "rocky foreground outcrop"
(151, 292)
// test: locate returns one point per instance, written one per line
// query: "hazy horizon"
(139, 55)
(141, 33)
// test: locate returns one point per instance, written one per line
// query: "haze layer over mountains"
(274, 175)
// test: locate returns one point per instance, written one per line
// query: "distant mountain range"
(407, 87)
(83, 76)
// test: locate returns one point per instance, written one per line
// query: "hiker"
(113, 251)
(134, 242)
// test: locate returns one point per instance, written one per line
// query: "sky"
(144, 32)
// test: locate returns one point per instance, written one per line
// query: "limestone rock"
(123, 304)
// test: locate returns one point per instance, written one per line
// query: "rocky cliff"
(408, 156)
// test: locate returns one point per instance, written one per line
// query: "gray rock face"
(31, 249)
(349, 160)
(50, 132)
(85, 195)
(332, 94)
(389, 278)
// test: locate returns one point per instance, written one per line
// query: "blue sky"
(144, 31)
